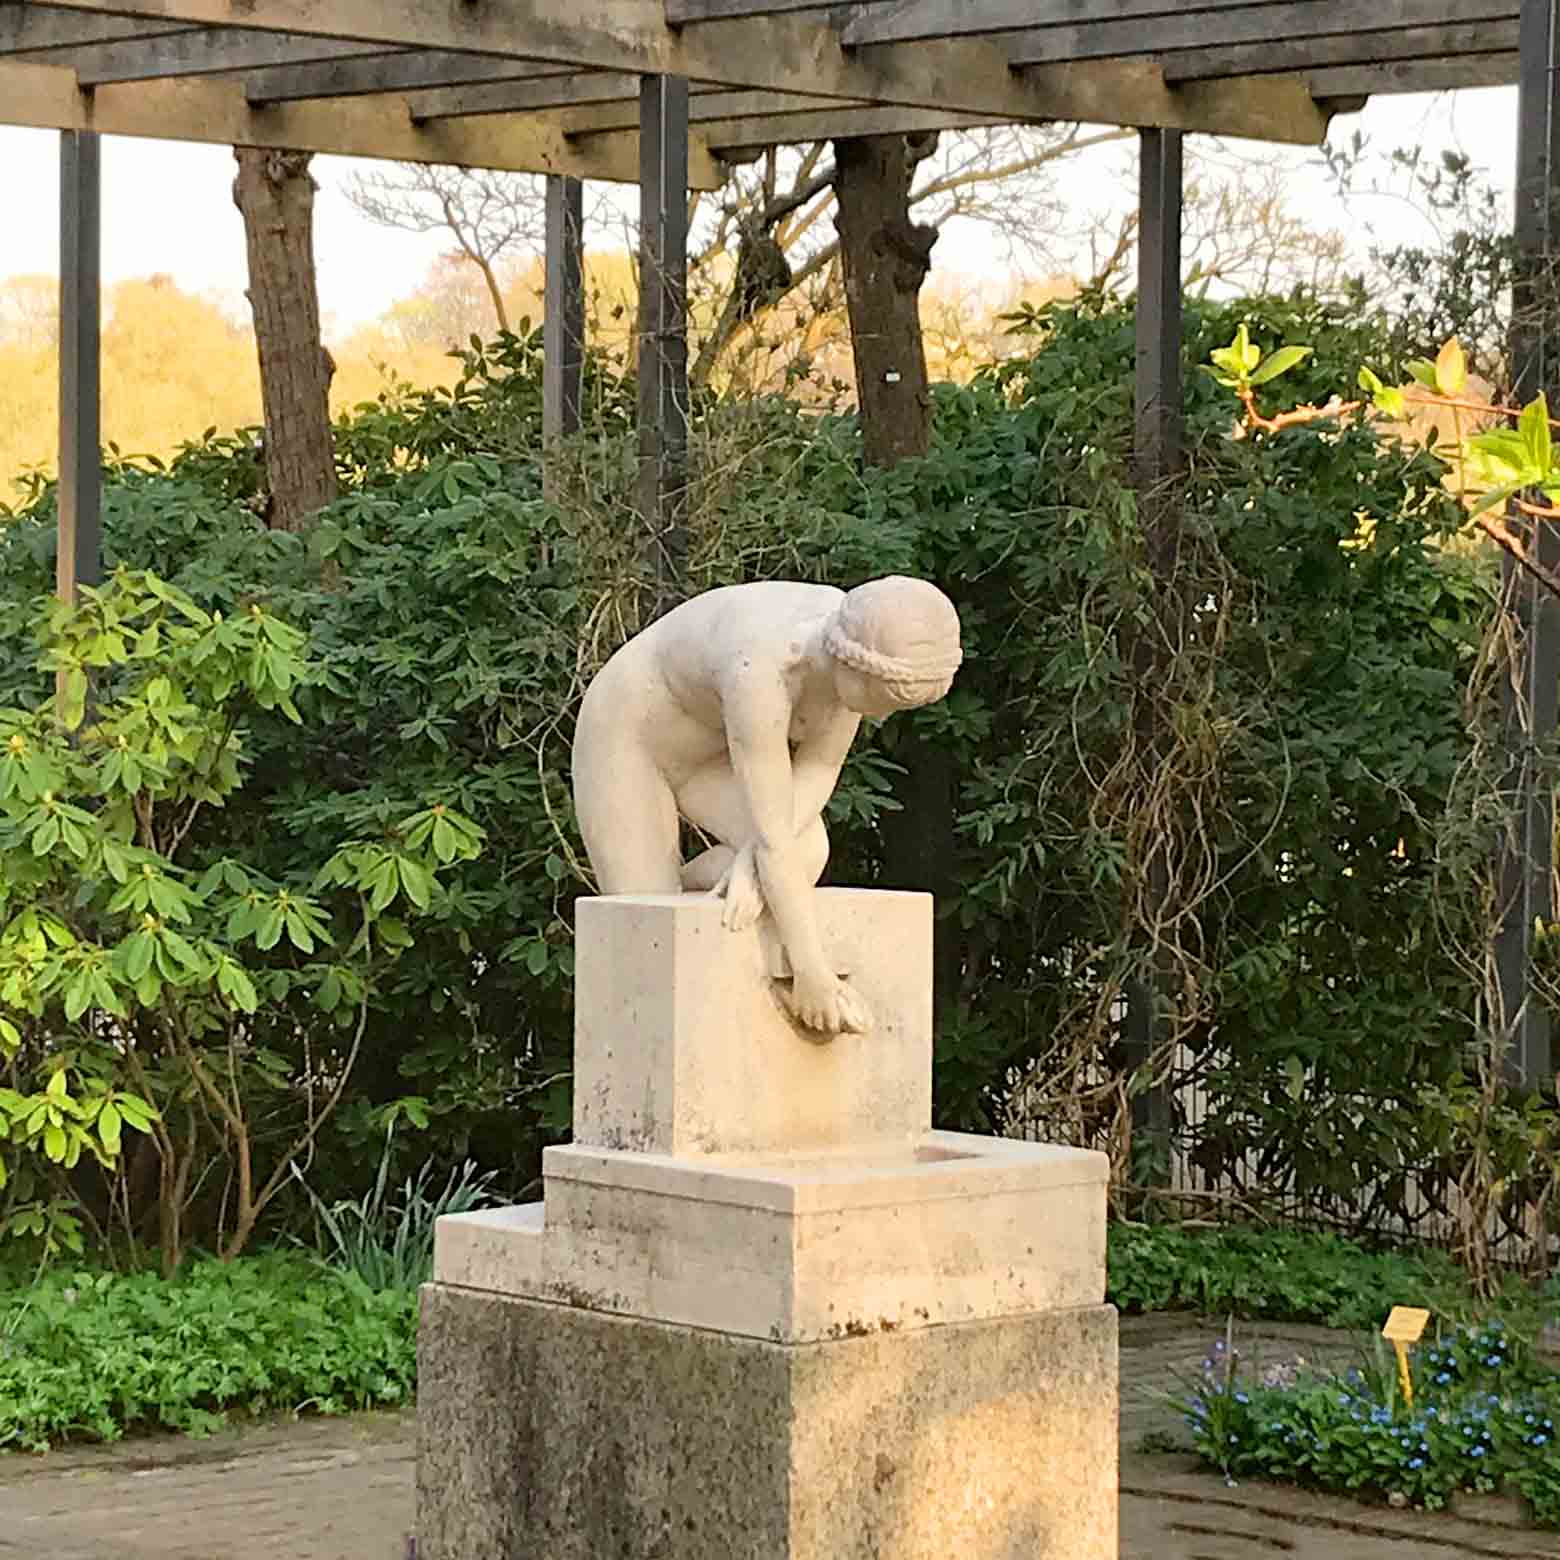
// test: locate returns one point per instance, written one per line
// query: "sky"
(167, 206)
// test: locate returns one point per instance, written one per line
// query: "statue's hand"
(740, 888)
(827, 1004)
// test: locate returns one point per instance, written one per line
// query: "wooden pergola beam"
(214, 109)
(680, 12)
(562, 90)
(741, 140)
(1275, 22)
(1447, 45)
(774, 53)
(199, 52)
(412, 70)
(757, 119)
(912, 21)
(1357, 81)
(27, 28)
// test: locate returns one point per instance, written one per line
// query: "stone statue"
(735, 711)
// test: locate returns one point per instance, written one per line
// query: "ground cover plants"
(1482, 1420)
(1277, 1275)
(87, 1354)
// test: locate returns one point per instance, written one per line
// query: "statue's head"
(895, 644)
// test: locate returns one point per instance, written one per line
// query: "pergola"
(666, 92)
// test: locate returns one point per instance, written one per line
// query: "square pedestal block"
(950, 1228)
(683, 1045)
(552, 1433)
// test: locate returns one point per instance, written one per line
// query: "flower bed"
(1482, 1420)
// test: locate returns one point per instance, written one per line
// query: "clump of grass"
(385, 1237)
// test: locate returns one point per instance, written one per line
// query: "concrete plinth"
(763, 1311)
(548, 1432)
(948, 1228)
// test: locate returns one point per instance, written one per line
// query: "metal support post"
(563, 325)
(79, 553)
(663, 331)
(1156, 460)
(1532, 697)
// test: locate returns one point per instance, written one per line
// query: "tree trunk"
(274, 192)
(494, 291)
(885, 258)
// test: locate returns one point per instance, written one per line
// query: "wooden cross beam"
(782, 53)
(214, 109)
(407, 70)
(1450, 46)
(198, 52)
(1265, 25)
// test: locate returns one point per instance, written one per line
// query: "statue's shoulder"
(770, 596)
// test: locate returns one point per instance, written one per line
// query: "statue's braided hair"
(910, 616)
(888, 668)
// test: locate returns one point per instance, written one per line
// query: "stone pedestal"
(764, 1311)
(682, 1043)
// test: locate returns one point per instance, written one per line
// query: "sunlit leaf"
(1451, 369)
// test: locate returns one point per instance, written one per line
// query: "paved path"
(342, 1489)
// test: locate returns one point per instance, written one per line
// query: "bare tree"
(1238, 232)
(492, 216)
(29, 311)
(764, 237)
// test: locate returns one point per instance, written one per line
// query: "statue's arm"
(815, 768)
(758, 720)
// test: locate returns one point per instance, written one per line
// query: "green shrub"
(1313, 708)
(1277, 1275)
(94, 1355)
(145, 968)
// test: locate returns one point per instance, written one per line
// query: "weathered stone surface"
(951, 1228)
(683, 1044)
(552, 1433)
(548, 1433)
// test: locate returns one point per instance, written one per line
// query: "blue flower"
(1234, 1439)
(1494, 1359)
(1442, 1379)
(1240, 1397)
(1476, 1450)
(1416, 1462)
(1540, 1440)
